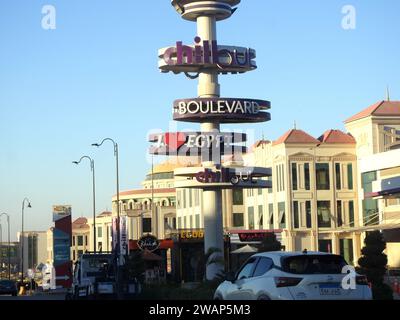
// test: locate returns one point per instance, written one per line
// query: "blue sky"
(96, 76)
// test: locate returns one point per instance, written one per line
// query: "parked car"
(8, 287)
(292, 276)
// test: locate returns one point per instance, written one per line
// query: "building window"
(237, 195)
(80, 240)
(191, 222)
(307, 176)
(251, 218)
(351, 213)
(73, 240)
(73, 255)
(146, 228)
(99, 232)
(190, 198)
(296, 216)
(180, 223)
(339, 210)
(196, 197)
(269, 189)
(294, 176)
(100, 246)
(197, 218)
(86, 240)
(178, 199)
(238, 220)
(184, 198)
(370, 206)
(308, 214)
(80, 252)
(271, 215)
(324, 214)
(260, 217)
(260, 191)
(322, 173)
(393, 201)
(350, 176)
(338, 176)
(282, 215)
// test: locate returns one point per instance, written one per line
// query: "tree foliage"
(270, 243)
(373, 264)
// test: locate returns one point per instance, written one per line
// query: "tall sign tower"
(205, 60)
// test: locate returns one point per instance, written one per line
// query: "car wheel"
(263, 298)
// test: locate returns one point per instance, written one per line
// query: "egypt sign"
(206, 54)
(197, 143)
(223, 110)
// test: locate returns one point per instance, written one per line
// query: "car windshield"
(314, 264)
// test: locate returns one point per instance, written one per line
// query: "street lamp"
(117, 245)
(9, 244)
(94, 196)
(1, 250)
(26, 200)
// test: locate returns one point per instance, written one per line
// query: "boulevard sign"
(223, 110)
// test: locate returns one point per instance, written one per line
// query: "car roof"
(277, 255)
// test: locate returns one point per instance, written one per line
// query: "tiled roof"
(80, 223)
(296, 136)
(105, 214)
(337, 136)
(381, 108)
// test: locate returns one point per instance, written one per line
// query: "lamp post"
(117, 245)
(94, 196)
(26, 200)
(9, 244)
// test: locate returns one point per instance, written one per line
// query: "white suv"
(294, 276)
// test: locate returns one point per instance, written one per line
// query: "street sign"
(197, 143)
(223, 110)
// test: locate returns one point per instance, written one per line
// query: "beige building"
(80, 238)
(318, 199)
(314, 191)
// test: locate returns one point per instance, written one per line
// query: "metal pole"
(94, 206)
(212, 199)
(9, 248)
(22, 245)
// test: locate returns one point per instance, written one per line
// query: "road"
(53, 297)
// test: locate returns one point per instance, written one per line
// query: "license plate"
(329, 290)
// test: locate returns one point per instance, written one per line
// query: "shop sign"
(148, 242)
(191, 234)
(225, 110)
(253, 237)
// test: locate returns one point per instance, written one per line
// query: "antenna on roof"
(294, 125)
(387, 94)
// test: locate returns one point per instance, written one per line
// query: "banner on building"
(62, 234)
(124, 236)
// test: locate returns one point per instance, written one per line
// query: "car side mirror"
(230, 276)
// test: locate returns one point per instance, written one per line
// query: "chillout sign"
(225, 110)
(228, 59)
(149, 243)
(233, 176)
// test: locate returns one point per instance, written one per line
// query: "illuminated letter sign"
(224, 110)
(227, 59)
(148, 242)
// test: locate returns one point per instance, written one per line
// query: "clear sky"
(96, 76)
